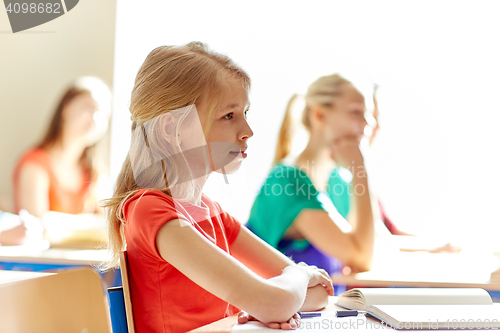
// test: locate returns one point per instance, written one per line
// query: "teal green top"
(339, 190)
(286, 191)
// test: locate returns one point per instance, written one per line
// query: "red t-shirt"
(164, 299)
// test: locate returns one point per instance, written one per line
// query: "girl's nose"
(368, 119)
(246, 132)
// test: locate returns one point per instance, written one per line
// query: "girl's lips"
(239, 153)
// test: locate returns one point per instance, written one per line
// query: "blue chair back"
(117, 310)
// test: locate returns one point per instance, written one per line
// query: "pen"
(338, 314)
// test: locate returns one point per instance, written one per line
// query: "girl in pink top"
(60, 173)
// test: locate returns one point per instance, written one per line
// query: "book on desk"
(425, 308)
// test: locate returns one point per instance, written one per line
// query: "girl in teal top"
(303, 205)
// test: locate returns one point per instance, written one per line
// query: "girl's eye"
(230, 116)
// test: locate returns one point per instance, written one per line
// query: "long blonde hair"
(171, 77)
(324, 91)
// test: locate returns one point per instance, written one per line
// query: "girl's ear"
(317, 115)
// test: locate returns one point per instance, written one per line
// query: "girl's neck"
(68, 151)
(197, 184)
(200, 182)
(315, 160)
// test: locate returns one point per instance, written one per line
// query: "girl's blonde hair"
(324, 91)
(170, 78)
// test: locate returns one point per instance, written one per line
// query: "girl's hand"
(14, 236)
(345, 152)
(318, 276)
(291, 324)
(375, 126)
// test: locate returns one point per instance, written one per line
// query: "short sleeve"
(231, 225)
(285, 193)
(35, 156)
(145, 213)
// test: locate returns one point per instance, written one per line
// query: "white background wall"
(435, 161)
(36, 65)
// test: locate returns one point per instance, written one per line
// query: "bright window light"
(435, 162)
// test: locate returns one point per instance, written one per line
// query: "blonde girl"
(190, 262)
(302, 209)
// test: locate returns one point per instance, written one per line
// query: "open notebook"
(422, 308)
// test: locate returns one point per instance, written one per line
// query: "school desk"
(227, 325)
(427, 270)
(313, 325)
(22, 258)
(13, 276)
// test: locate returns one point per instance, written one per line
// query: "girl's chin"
(94, 136)
(231, 167)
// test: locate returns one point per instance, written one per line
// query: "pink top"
(60, 199)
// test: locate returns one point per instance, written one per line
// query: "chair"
(117, 310)
(126, 291)
(120, 306)
(69, 301)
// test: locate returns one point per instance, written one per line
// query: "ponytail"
(287, 132)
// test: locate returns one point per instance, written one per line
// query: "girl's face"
(229, 126)
(83, 118)
(347, 116)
